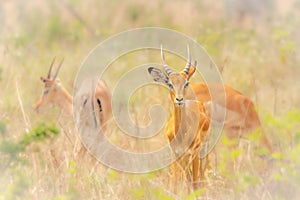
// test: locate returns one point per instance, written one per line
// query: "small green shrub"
(10, 150)
(39, 133)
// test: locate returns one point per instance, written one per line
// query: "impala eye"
(171, 86)
(186, 84)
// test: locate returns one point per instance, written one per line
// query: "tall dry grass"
(259, 57)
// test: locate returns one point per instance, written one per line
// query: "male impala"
(186, 114)
(55, 94)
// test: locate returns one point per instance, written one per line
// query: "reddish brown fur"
(235, 101)
(104, 95)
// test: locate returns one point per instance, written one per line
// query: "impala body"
(188, 124)
(55, 94)
(93, 104)
(234, 101)
(241, 116)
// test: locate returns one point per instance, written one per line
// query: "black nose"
(181, 99)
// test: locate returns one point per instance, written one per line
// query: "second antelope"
(241, 116)
(55, 94)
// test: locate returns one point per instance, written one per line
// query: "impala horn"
(57, 70)
(50, 69)
(167, 69)
(188, 64)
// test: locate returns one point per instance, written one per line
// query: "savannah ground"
(257, 55)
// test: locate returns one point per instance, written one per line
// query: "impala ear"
(192, 70)
(43, 79)
(157, 75)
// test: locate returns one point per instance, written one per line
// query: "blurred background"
(254, 43)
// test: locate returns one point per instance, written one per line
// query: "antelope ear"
(192, 70)
(157, 75)
(43, 79)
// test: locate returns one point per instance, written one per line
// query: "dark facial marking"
(99, 104)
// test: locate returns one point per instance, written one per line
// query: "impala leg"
(174, 174)
(202, 169)
(195, 172)
(239, 158)
(187, 172)
(184, 173)
(206, 157)
(216, 161)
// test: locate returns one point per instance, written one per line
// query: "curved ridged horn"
(188, 64)
(167, 69)
(57, 70)
(50, 69)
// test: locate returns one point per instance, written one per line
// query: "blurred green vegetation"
(11, 150)
(39, 134)
(13, 161)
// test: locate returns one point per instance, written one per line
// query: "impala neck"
(65, 101)
(180, 122)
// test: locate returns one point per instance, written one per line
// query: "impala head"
(52, 86)
(178, 82)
